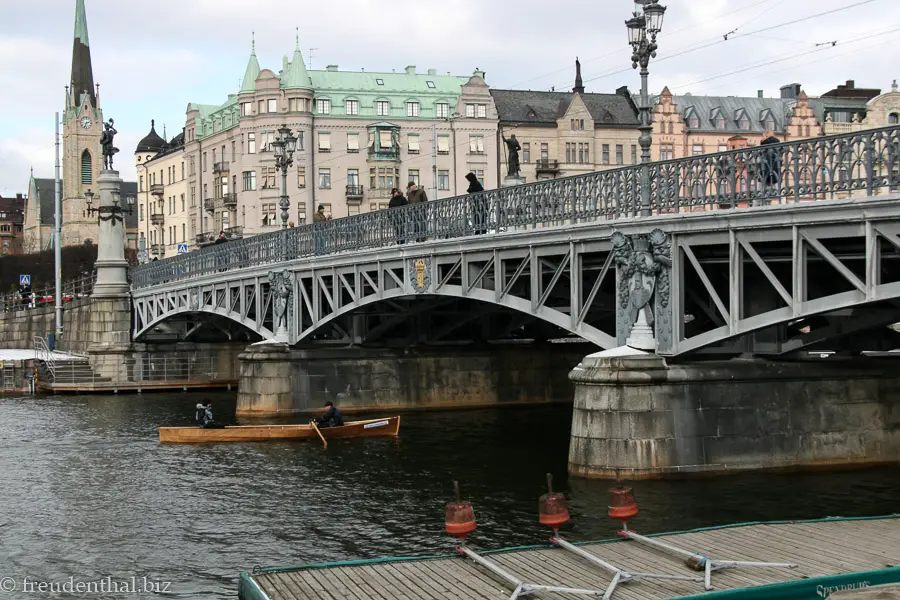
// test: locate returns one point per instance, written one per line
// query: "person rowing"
(332, 417)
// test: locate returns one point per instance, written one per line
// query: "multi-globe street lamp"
(643, 28)
(284, 147)
(114, 212)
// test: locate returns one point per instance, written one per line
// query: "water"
(89, 492)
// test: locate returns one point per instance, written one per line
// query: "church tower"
(82, 126)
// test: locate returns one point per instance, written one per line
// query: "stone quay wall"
(638, 417)
(279, 380)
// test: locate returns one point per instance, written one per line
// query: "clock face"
(86, 123)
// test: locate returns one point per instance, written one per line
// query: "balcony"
(157, 250)
(354, 192)
(546, 166)
(210, 205)
(158, 189)
(158, 219)
(229, 201)
(220, 167)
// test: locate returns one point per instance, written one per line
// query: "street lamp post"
(114, 212)
(284, 146)
(643, 28)
(112, 269)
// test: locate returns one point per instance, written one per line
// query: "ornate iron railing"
(864, 162)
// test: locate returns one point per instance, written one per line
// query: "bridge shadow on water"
(89, 490)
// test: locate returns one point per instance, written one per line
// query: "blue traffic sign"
(182, 248)
(24, 279)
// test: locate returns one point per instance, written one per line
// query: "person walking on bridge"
(416, 195)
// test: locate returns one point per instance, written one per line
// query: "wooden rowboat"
(387, 427)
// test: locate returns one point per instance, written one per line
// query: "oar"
(316, 427)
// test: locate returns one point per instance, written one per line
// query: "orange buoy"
(460, 516)
(554, 511)
(622, 505)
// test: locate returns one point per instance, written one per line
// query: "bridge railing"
(72, 289)
(864, 162)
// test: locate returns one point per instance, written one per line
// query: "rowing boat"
(387, 427)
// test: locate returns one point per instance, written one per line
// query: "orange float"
(622, 505)
(460, 516)
(552, 506)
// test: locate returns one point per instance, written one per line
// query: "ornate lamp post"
(284, 147)
(115, 212)
(643, 28)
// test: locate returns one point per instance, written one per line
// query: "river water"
(88, 492)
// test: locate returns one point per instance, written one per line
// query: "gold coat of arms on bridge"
(420, 274)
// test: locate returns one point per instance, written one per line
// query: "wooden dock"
(831, 554)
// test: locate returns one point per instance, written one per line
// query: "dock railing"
(136, 370)
(863, 163)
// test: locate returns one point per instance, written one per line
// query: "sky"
(152, 58)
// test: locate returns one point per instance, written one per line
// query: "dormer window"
(412, 109)
(382, 108)
(323, 106)
(718, 119)
(693, 121)
(442, 110)
(743, 121)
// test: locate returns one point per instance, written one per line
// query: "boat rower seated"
(208, 421)
(332, 418)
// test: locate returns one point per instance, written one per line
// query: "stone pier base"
(275, 380)
(637, 417)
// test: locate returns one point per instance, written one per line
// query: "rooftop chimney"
(759, 93)
(331, 68)
(432, 71)
(411, 69)
(792, 90)
(851, 83)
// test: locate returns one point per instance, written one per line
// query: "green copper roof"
(248, 84)
(295, 76)
(415, 84)
(213, 119)
(81, 32)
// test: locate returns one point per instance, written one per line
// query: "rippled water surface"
(89, 492)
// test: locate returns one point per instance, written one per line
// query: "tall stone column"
(112, 268)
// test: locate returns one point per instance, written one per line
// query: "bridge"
(769, 250)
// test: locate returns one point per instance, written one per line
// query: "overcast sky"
(152, 58)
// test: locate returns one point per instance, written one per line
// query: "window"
(633, 154)
(743, 122)
(353, 177)
(384, 178)
(323, 106)
(182, 162)
(273, 105)
(268, 214)
(697, 150)
(443, 179)
(723, 147)
(249, 181)
(386, 139)
(620, 154)
(233, 157)
(442, 110)
(86, 168)
(443, 144)
(666, 152)
(352, 142)
(412, 109)
(382, 108)
(267, 174)
(694, 121)
(581, 153)
(141, 213)
(577, 124)
(182, 202)
(893, 119)
(476, 111)
(430, 84)
(324, 141)
(265, 140)
(414, 176)
(262, 107)
(526, 152)
(246, 109)
(719, 121)
(476, 144)
(479, 174)
(301, 176)
(605, 158)
(379, 81)
(193, 197)
(352, 107)
(183, 232)
(412, 143)
(769, 123)
(297, 105)
(545, 153)
(251, 143)
(568, 152)
(324, 178)
(141, 183)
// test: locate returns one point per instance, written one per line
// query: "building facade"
(359, 134)
(162, 196)
(568, 133)
(12, 218)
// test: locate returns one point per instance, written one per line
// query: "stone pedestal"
(112, 268)
(512, 181)
(265, 386)
(638, 417)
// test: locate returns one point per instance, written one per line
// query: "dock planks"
(820, 548)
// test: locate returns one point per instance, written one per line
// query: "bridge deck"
(827, 552)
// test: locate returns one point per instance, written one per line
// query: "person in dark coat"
(398, 200)
(332, 418)
(479, 203)
(770, 173)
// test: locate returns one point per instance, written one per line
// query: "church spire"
(579, 85)
(82, 74)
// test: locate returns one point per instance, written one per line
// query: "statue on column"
(106, 142)
(282, 290)
(512, 152)
(642, 264)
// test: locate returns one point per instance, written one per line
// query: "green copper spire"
(248, 84)
(295, 76)
(82, 73)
